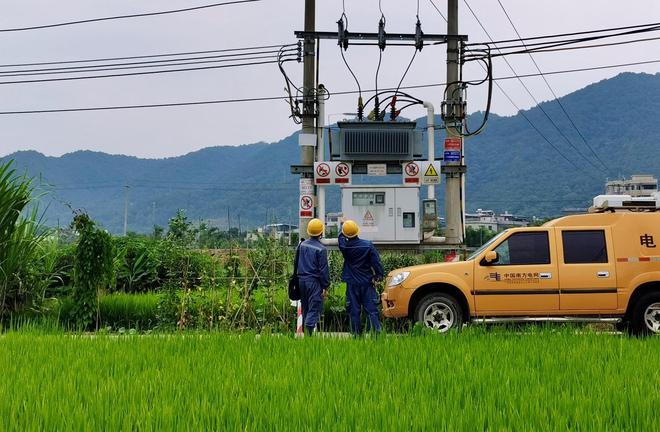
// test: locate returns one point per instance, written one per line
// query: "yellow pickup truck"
(601, 267)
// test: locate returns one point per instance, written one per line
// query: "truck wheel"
(439, 311)
(646, 315)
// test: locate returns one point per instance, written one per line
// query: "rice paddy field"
(493, 379)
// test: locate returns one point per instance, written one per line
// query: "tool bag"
(294, 281)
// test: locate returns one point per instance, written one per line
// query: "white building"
(639, 185)
(494, 222)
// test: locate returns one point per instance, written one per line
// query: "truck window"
(582, 247)
(524, 248)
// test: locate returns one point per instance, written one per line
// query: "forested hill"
(510, 166)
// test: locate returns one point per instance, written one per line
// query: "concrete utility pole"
(454, 187)
(126, 190)
(307, 140)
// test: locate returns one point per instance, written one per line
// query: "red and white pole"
(300, 332)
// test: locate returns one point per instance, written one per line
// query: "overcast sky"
(163, 132)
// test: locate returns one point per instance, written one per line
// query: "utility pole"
(126, 191)
(307, 140)
(453, 113)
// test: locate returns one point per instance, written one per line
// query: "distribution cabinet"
(385, 214)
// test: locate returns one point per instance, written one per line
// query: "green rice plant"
(550, 380)
(129, 311)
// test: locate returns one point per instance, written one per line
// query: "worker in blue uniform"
(313, 274)
(362, 270)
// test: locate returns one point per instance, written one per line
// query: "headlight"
(398, 278)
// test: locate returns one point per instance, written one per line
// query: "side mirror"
(491, 257)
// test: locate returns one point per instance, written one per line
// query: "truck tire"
(440, 312)
(645, 319)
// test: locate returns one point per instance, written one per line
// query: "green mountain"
(510, 166)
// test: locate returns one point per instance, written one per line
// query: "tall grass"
(20, 238)
(478, 380)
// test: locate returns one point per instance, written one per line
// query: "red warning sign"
(306, 204)
(322, 173)
(453, 144)
(342, 173)
(411, 172)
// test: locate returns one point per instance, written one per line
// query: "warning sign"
(306, 204)
(306, 186)
(411, 171)
(431, 173)
(453, 144)
(368, 219)
(342, 173)
(322, 173)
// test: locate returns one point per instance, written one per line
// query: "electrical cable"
(94, 60)
(531, 95)
(138, 15)
(521, 112)
(145, 66)
(559, 35)
(340, 93)
(142, 73)
(229, 57)
(547, 83)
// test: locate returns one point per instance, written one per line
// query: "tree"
(180, 230)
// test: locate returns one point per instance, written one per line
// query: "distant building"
(276, 231)
(639, 185)
(493, 222)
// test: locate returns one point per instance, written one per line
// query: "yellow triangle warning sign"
(431, 172)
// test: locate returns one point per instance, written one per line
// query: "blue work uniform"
(314, 277)
(361, 267)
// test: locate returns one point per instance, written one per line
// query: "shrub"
(93, 270)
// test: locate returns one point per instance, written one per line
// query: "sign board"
(342, 173)
(453, 144)
(322, 173)
(430, 173)
(377, 170)
(368, 219)
(306, 186)
(411, 173)
(308, 140)
(306, 206)
(452, 156)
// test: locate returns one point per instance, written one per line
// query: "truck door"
(524, 278)
(587, 272)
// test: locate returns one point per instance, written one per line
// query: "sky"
(167, 132)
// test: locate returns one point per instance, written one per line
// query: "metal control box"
(385, 214)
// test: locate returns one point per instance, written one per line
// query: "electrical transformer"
(385, 214)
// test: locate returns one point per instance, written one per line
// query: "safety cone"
(300, 332)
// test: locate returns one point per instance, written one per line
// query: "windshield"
(488, 243)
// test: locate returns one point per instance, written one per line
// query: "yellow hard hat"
(315, 228)
(350, 229)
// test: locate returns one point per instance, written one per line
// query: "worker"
(313, 274)
(362, 270)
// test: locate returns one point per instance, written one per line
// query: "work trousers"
(359, 296)
(312, 302)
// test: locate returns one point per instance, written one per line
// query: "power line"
(531, 95)
(560, 35)
(43, 80)
(138, 65)
(144, 56)
(547, 83)
(283, 98)
(139, 15)
(229, 57)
